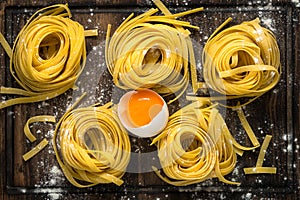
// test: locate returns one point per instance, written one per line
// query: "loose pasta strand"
(5, 45)
(259, 169)
(32, 138)
(247, 128)
(35, 150)
(39, 118)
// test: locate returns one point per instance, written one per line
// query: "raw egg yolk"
(143, 106)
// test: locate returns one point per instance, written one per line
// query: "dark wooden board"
(275, 113)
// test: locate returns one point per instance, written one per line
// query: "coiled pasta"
(150, 51)
(48, 55)
(94, 147)
(242, 61)
(196, 145)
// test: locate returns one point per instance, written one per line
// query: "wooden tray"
(270, 114)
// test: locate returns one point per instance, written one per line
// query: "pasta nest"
(94, 147)
(242, 61)
(149, 52)
(195, 146)
(49, 53)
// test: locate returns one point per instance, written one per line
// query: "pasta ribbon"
(32, 138)
(259, 169)
(242, 60)
(247, 127)
(196, 145)
(151, 51)
(47, 57)
(39, 118)
(94, 147)
(35, 150)
(5, 45)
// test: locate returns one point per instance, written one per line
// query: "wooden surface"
(276, 112)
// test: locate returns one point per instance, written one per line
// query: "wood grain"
(276, 112)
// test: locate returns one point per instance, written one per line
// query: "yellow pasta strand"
(5, 45)
(47, 57)
(247, 128)
(242, 61)
(89, 33)
(151, 51)
(40, 118)
(94, 147)
(259, 169)
(35, 150)
(263, 150)
(196, 145)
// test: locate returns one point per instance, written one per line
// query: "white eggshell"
(157, 124)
